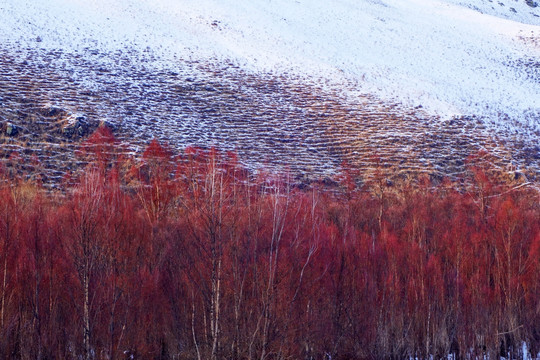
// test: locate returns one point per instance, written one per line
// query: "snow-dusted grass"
(441, 55)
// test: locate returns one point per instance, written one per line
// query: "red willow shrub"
(192, 258)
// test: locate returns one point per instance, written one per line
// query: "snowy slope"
(524, 11)
(451, 57)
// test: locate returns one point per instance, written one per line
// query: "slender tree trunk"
(4, 276)
(86, 314)
(215, 308)
(51, 316)
(112, 321)
(4, 286)
(278, 224)
(37, 314)
(193, 328)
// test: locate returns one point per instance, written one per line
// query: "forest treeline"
(193, 257)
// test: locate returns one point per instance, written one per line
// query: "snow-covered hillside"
(301, 83)
(524, 11)
(439, 54)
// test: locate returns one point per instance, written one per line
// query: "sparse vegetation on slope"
(271, 121)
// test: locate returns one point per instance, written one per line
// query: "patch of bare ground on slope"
(531, 38)
(55, 100)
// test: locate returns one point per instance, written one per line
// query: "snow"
(451, 57)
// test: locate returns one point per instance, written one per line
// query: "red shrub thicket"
(192, 257)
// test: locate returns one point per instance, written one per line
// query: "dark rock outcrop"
(77, 128)
(11, 129)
